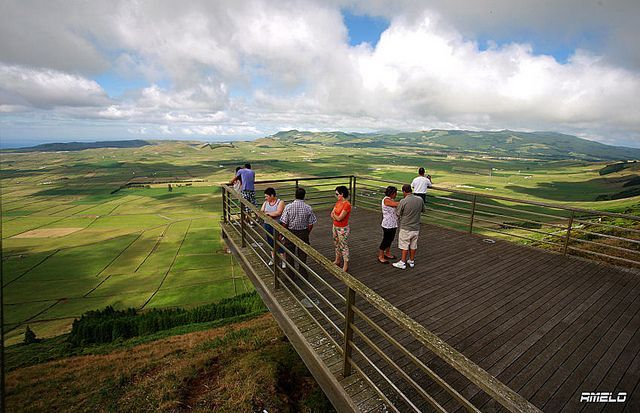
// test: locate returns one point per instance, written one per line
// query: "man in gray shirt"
(409, 211)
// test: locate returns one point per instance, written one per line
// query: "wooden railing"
(409, 367)
(600, 235)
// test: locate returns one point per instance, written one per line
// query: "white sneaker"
(270, 263)
(283, 265)
(400, 264)
(411, 263)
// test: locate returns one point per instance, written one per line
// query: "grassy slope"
(248, 366)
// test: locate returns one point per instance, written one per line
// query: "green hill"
(80, 146)
(506, 143)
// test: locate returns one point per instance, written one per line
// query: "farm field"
(74, 239)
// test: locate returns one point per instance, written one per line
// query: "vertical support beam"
(351, 186)
(276, 259)
(566, 241)
(473, 214)
(243, 224)
(348, 332)
(353, 197)
(225, 218)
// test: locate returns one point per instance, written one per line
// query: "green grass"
(178, 231)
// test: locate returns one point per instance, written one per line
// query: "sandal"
(390, 257)
(383, 262)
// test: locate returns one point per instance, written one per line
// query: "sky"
(233, 69)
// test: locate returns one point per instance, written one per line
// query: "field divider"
(111, 262)
(175, 257)
(31, 268)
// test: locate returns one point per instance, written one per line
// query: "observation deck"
(480, 324)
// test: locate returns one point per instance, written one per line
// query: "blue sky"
(228, 70)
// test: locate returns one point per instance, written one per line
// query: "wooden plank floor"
(548, 326)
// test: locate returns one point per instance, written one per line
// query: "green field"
(72, 243)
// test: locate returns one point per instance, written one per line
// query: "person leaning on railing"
(420, 184)
(340, 230)
(298, 217)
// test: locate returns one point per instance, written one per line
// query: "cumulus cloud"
(47, 88)
(228, 67)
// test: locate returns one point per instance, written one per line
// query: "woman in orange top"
(340, 215)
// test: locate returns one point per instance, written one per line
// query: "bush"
(30, 336)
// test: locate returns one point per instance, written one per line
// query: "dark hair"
(421, 171)
(390, 190)
(300, 193)
(270, 191)
(342, 190)
(406, 188)
(247, 165)
(238, 168)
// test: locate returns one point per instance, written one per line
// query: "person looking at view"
(340, 230)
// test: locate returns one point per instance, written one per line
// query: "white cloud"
(47, 88)
(228, 67)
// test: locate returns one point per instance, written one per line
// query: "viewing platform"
(480, 323)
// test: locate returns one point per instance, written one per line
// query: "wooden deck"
(548, 326)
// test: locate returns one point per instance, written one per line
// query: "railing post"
(473, 214)
(297, 184)
(353, 193)
(351, 186)
(224, 204)
(566, 241)
(348, 333)
(243, 224)
(276, 259)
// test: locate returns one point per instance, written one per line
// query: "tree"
(30, 336)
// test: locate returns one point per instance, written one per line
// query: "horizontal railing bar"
(312, 178)
(432, 375)
(380, 393)
(314, 318)
(504, 198)
(493, 214)
(386, 379)
(600, 244)
(462, 201)
(519, 236)
(519, 228)
(634, 241)
(522, 211)
(399, 369)
(603, 255)
(607, 225)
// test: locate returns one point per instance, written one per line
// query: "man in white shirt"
(420, 184)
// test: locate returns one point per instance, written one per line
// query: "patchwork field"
(74, 238)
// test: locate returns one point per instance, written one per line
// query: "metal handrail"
(565, 223)
(489, 384)
(521, 201)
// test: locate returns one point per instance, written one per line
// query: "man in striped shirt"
(298, 217)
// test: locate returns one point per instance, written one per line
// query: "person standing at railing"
(237, 183)
(298, 217)
(409, 211)
(273, 207)
(247, 176)
(389, 224)
(340, 215)
(420, 184)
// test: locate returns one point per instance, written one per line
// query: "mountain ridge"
(508, 143)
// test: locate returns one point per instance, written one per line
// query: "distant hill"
(507, 143)
(80, 146)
